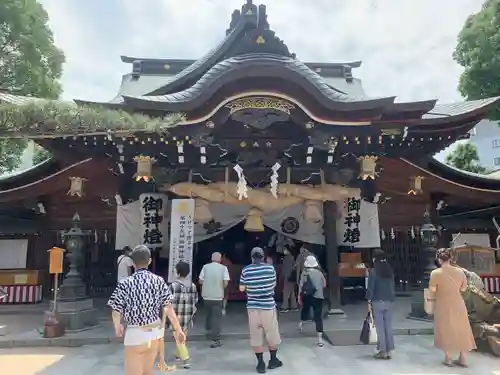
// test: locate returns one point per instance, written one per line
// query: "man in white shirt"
(214, 278)
(124, 264)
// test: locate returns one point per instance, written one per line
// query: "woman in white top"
(124, 264)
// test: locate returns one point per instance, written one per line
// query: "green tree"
(465, 157)
(40, 154)
(478, 51)
(30, 63)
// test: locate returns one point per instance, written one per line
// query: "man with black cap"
(259, 280)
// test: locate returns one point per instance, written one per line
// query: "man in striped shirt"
(259, 280)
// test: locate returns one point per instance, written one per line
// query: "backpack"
(308, 288)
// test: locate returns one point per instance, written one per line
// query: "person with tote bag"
(380, 294)
(369, 332)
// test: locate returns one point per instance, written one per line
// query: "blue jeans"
(382, 315)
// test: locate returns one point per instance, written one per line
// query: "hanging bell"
(313, 211)
(367, 167)
(77, 187)
(144, 168)
(202, 213)
(254, 221)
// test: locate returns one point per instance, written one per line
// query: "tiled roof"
(457, 109)
(17, 99)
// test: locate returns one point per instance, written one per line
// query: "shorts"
(264, 327)
(135, 336)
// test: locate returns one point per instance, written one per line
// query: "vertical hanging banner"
(154, 223)
(181, 235)
(358, 225)
(352, 233)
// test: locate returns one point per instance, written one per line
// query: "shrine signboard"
(153, 208)
(352, 232)
(358, 224)
(181, 235)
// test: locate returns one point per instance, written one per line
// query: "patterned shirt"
(259, 281)
(184, 302)
(140, 298)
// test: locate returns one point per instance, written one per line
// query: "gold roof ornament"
(367, 168)
(259, 102)
(260, 40)
(77, 187)
(416, 185)
(144, 168)
(390, 131)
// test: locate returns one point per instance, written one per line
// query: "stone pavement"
(414, 356)
(23, 329)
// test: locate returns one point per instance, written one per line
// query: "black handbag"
(364, 337)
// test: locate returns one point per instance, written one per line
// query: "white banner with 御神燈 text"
(358, 225)
(154, 222)
(181, 235)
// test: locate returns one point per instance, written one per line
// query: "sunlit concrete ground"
(414, 356)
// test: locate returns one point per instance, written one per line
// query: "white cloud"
(406, 45)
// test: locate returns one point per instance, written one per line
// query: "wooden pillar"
(332, 256)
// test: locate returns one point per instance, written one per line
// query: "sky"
(406, 45)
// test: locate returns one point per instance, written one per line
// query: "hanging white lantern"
(412, 232)
(367, 167)
(274, 180)
(77, 187)
(242, 189)
(393, 235)
(144, 168)
(382, 234)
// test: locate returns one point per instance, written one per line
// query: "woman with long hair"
(452, 331)
(380, 294)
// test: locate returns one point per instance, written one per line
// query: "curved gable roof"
(268, 65)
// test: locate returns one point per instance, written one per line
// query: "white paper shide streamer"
(242, 183)
(274, 180)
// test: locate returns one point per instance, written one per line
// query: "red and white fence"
(21, 294)
(491, 284)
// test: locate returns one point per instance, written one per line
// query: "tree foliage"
(30, 63)
(478, 51)
(465, 157)
(52, 119)
(40, 154)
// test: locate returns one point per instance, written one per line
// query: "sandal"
(448, 364)
(460, 364)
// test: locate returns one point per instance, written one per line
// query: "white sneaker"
(320, 340)
(223, 312)
(301, 327)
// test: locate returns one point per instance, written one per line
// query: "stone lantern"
(430, 238)
(75, 308)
